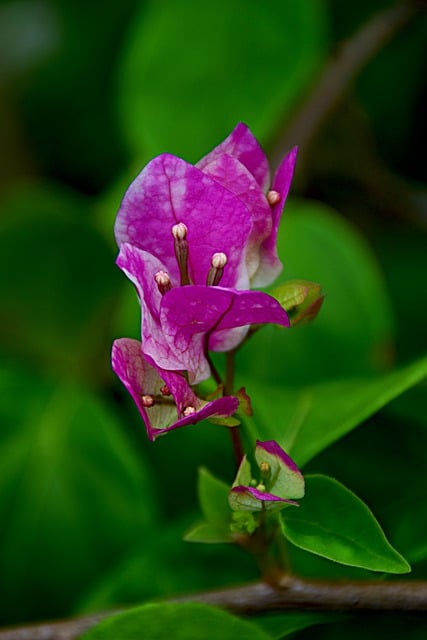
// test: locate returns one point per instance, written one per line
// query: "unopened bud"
(188, 411)
(147, 401)
(165, 391)
(218, 262)
(261, 487)
(163, 281)
(273, 197)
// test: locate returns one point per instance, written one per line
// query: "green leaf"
(177, 621)
(213, 498)
(163, 564)
(73, 493)
(305, 421)
(255, 57)
(334, 523)
(280, 625)
(352, 335)
(209, 533)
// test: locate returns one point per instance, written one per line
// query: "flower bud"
(273, 197)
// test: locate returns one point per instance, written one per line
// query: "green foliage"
(73, 493)
(213, 499)
(353, 332)
(60, 282)
(255, 58)
(92, 515)
(281, 625)
(178, 621)
(334, 523)
(306, 420)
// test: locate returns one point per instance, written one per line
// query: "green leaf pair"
(331, 522)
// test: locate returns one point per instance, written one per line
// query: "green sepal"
(230, 421)
(301, 300)
(245, 405)
(243, 523)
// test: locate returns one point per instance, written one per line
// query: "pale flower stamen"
(188, 411)
(179, 232)
(218, 262)
(163, 281)
(273, 197)
(147, 401)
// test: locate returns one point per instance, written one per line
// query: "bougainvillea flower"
(223, 204)
(279, 482)
(180, 324)
(164, 398)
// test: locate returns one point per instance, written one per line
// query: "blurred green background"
(91, 514)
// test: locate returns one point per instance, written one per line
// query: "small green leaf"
(209, 533)
(213, 498)
(301, 299)
(178, 621)
(334, 523)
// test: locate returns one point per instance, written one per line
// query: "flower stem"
(235, 433)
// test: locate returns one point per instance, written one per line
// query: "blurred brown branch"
(337, 78)
(291, 593)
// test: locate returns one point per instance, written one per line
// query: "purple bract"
(193, 240)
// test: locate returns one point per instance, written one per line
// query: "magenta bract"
(193, 239)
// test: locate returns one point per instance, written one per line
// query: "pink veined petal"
(141, 378)
(195, 318)
(141, 267)
(270, 265)
(242, 145)
(169, 191)
(233, 175)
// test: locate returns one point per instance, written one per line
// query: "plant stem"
(235, 433)
(260, 597)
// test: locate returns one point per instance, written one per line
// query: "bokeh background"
(91, 514)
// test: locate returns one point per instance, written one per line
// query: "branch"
(338, 75)
(292, 593)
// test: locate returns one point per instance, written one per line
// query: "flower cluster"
(194, 240)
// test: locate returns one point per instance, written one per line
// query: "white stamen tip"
(179, 231)
(162, 278)
(273, 197)
(163, 281)
(147, 401)
(188, 411)
(219, 260)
